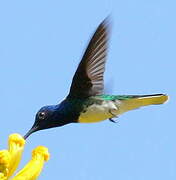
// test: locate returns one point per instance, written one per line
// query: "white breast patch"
(96, 112)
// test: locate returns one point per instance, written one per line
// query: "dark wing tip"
(107, 22)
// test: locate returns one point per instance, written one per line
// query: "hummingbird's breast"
(98, 112)
(89, 110)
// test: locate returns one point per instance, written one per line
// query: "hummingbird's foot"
(112, 120)
(113, 116)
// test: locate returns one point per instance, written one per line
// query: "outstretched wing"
(88, 79)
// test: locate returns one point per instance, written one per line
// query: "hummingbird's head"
(46, 117)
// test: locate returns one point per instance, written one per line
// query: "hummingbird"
(86, 102)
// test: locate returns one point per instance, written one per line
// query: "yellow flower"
(16, 145)
(32, 170)
(4, 163)
(10, 159)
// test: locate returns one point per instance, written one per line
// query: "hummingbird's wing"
(88, 79)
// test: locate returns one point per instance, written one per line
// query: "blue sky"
(41, 43)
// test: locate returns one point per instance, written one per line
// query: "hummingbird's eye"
(41, 115)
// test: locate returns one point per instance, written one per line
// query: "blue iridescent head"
(47, 117)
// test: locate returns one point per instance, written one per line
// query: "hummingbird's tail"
(136, 101)
(155, 99)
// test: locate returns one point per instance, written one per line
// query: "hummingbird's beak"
(33, 129)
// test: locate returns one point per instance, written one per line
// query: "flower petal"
(16, 145)
(34, 167)
(4, 163)
(2, 177)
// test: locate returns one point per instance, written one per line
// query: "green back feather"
(115, 97)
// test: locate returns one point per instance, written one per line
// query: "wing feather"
(88, 79)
